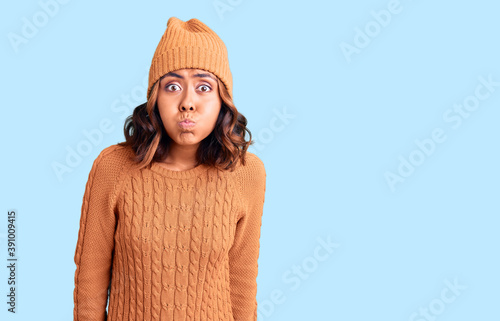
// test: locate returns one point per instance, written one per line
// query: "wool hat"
(190, 44)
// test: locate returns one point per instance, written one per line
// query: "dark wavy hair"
(146, 135)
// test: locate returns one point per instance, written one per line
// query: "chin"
(186, 139)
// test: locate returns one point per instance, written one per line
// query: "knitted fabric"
(190, 44)
(168, 245)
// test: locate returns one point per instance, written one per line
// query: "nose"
(187, 102)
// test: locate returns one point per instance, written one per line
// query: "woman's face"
(188, 94)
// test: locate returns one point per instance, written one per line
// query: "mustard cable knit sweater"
(169, 245)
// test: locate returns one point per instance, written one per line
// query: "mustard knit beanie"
(190, 44)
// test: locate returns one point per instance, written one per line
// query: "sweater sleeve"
(244, 253)
(95, 245)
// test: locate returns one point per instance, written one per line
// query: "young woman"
(171, 218)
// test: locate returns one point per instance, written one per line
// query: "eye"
(206, 86)
(170, 85)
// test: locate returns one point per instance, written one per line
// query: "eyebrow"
(199, 75)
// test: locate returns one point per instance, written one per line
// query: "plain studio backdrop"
(377, 122)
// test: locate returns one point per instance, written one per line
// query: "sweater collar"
(185, 174)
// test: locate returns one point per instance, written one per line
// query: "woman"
(171, 218)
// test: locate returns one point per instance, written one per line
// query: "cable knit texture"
(168, 245)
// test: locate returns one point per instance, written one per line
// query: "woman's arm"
(244, 253)
(94, 248)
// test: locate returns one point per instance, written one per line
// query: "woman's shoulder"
(252, 175)
(116, 151)
(116, 154)
(114, 160)
(250, 179)
(253, 165)
(108, 169)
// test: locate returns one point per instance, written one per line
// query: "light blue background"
(326, 162)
